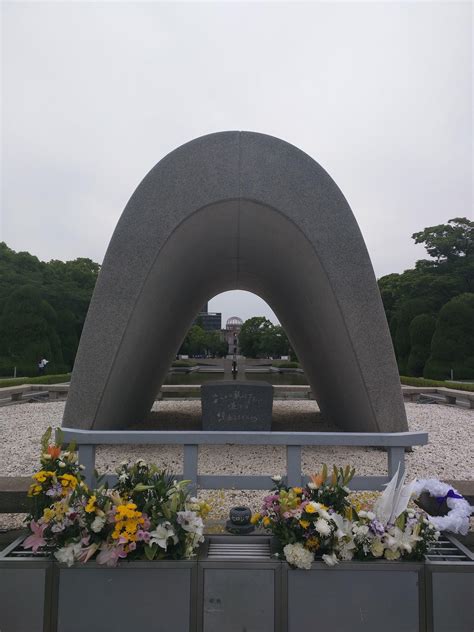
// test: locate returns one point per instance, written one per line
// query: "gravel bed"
(448, 455)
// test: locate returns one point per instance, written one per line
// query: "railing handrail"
(395, 443)
(202, 437)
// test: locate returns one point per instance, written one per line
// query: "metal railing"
(395, 444)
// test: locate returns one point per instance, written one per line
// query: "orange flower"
(317, 479)
(54, 451)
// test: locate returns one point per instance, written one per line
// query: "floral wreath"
(457, 519)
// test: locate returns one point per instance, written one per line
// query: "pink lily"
(110, 555)
(36, 540)
(87, 553)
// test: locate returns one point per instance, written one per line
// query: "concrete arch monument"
(236, 210)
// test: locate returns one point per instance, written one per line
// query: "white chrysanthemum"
(377, 548)
(346, 550)
(360, 530)
(322, 526)
(330, 560)
(98, 523)
(298, 556)
(68, 553)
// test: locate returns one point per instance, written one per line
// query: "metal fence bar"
(197, 437)
(190, 465)
(293, 465)
(396, 457)
(394, 442)
(87, 459)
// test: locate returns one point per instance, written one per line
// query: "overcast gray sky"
(94, 94)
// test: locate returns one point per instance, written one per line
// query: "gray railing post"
(293, 465)
(190, 465)
(396, 456)
(87, 459)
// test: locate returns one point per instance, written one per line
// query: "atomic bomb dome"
(234, 323)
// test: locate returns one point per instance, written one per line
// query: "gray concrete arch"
(236, 210)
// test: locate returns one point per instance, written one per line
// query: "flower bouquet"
(145, 515)
(318, 520)
(306, 520)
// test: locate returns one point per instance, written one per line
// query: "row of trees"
(42, 310)
(199, 342)
(430, 309)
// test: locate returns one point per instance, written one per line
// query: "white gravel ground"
(449, 454)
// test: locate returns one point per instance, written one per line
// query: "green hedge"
(178, 363)
(420, 381)
(44, 379)
(284, 364)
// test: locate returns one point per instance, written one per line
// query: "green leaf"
(401, 521)
(150, 551)
(58, 437)
(45, 439)
(324, 472)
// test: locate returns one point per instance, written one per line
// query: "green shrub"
(43, 379)
(452, 346)
(285, 364)
(420, 381)
(421, 332)
(179, 363)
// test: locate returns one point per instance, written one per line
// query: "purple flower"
(55, 490)
(376, 527)
(143, 536)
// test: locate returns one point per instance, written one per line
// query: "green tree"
(452, 346)
(28, 332)
(66, 287)
(252, 334)
(421, 331)
(428, 287)
(448, 242)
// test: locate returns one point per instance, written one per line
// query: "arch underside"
(149, 292)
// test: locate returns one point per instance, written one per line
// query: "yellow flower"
(127, 521)
(298, 490)
(309, 509)
(48, 514)
(266, 521)
(255, 518)
(42, 476)
(34, 490)
(68, 481)
(312, 544)
(305, 523)
(204, 509)
(90, 507)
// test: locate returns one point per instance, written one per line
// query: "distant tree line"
(199, 342)
(260, 338)
(42, 310)
(430, 311)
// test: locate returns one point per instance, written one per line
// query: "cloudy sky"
(94, 94)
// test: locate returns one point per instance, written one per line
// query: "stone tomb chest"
(233, 405)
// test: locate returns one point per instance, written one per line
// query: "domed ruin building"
(232, 331)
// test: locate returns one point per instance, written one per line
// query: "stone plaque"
(233, 405)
